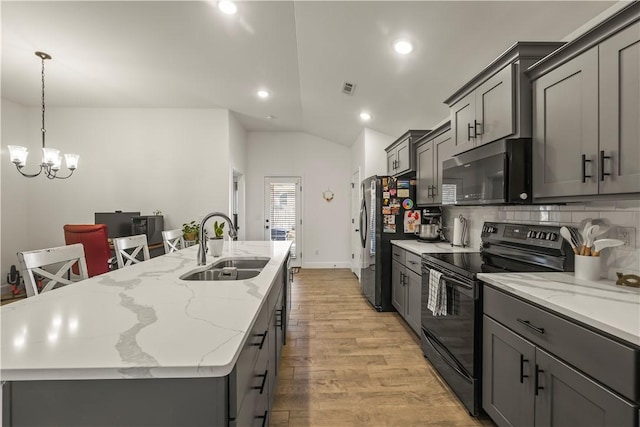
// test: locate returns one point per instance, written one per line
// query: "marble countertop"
(141, 321)
(602, 305)
(420, 248)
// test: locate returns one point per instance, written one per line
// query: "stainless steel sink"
(228, 269)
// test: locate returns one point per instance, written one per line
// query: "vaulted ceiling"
(187, 54)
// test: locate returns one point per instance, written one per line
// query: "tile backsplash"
(622, 213)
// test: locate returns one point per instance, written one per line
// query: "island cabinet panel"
(620, 112)
(586, 110)
(543, 370)
(119, 402)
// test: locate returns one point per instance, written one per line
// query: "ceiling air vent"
(348, 88)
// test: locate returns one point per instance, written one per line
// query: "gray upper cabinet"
(620, 112)
(497, 102)
(566, 129)
(586, 113)
(401, 154)
(431, 150)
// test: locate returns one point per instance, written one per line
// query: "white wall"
(368, 155)
(322, 164)
(175, 160)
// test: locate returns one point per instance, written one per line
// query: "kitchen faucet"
(202, 252)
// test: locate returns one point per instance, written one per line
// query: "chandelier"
(51, 158)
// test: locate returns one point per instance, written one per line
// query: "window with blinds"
(282, 209)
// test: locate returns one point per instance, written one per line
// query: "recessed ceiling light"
(227, 7)
(263, 94)
(365, 116)
(271, 117)
(402, 46)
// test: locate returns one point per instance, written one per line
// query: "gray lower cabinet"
(242, 398)
(406, 286)
(525, 381)
(431, 150)
(586, 113)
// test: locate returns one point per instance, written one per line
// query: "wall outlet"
(627, 235)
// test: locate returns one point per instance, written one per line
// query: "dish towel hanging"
(437, 294)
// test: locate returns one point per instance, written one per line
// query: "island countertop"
(599, 304)
(141, 321)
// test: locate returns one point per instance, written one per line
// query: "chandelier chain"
(43, 107)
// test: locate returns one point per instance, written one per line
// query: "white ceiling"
(186, 54)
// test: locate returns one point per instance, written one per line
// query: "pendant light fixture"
(51, 158)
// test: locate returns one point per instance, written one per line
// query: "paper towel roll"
(457, 232)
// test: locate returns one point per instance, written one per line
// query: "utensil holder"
(587, 267)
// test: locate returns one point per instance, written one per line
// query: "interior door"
(356, 247)
(283, 213)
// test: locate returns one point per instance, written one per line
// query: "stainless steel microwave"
(494, 173)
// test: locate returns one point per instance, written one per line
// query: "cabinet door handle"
(584, 168)
(475, 128)
(279, 323)
(264, 381)
(536, 381)
(530, 326)
(402, 278)
(264, 337)
(429, 191)
(263, 418)
(469, 127)
(522, 375)
(434, 193)
(602, 159)
(396, 254)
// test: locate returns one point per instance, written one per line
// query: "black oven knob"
(552, 236)
(542, 235)
(530, 234)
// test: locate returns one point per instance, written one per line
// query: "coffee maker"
(430, 229)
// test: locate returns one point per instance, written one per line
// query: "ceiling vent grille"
(348, 88)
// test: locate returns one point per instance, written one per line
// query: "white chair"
(172, 240)
(32, 261)
(136, 244)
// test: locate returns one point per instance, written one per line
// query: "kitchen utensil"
(628, 280)
(590, 234)
(601, 244)
(576, 237)
(584, 224)
(566, 234)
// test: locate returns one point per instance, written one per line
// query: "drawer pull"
(530, 326)
(264, 337)
(396, 254)
(264, 381)
(537, 385)
(263, 418)
(522, 375)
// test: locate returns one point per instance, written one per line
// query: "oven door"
(455, 333)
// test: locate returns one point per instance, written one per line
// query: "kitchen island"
(141, 346)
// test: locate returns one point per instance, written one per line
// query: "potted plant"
(190, 230)
(214, 244)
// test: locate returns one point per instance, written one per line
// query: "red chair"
(96, 246)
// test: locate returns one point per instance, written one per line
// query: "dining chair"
(128, 248)
(38, 280)
(172, 240)
(94, 238)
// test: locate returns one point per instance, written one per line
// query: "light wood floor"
(347, 365)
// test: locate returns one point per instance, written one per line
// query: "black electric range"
(452, 341)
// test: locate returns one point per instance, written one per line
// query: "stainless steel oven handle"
(453, 366)
(457, 282)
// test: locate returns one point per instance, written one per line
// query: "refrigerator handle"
(363, 223)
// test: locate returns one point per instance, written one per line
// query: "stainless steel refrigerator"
(387, 212)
